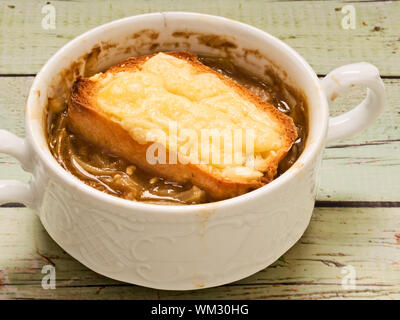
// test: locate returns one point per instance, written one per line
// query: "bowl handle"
(13, 190)
(367, 111)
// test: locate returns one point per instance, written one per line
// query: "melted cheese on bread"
(167, 90)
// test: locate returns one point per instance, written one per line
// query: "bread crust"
(97, 128)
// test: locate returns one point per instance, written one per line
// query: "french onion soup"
(177, 128)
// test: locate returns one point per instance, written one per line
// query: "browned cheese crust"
(94, 126)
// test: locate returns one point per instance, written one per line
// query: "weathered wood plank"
(366, 240)
(363, 168)
(313, 28)
(13, 94)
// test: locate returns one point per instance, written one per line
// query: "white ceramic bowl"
(181, 247)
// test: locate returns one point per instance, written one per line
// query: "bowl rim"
(309, 153)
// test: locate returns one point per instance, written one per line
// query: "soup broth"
(109, 173)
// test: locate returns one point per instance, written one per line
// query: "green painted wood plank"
(337, 238)
(369, 173)
(366, 170)
(313, 28)
(13, 94)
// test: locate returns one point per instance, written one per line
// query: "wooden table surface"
(355, 228)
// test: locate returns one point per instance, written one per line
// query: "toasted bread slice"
(131, 108)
